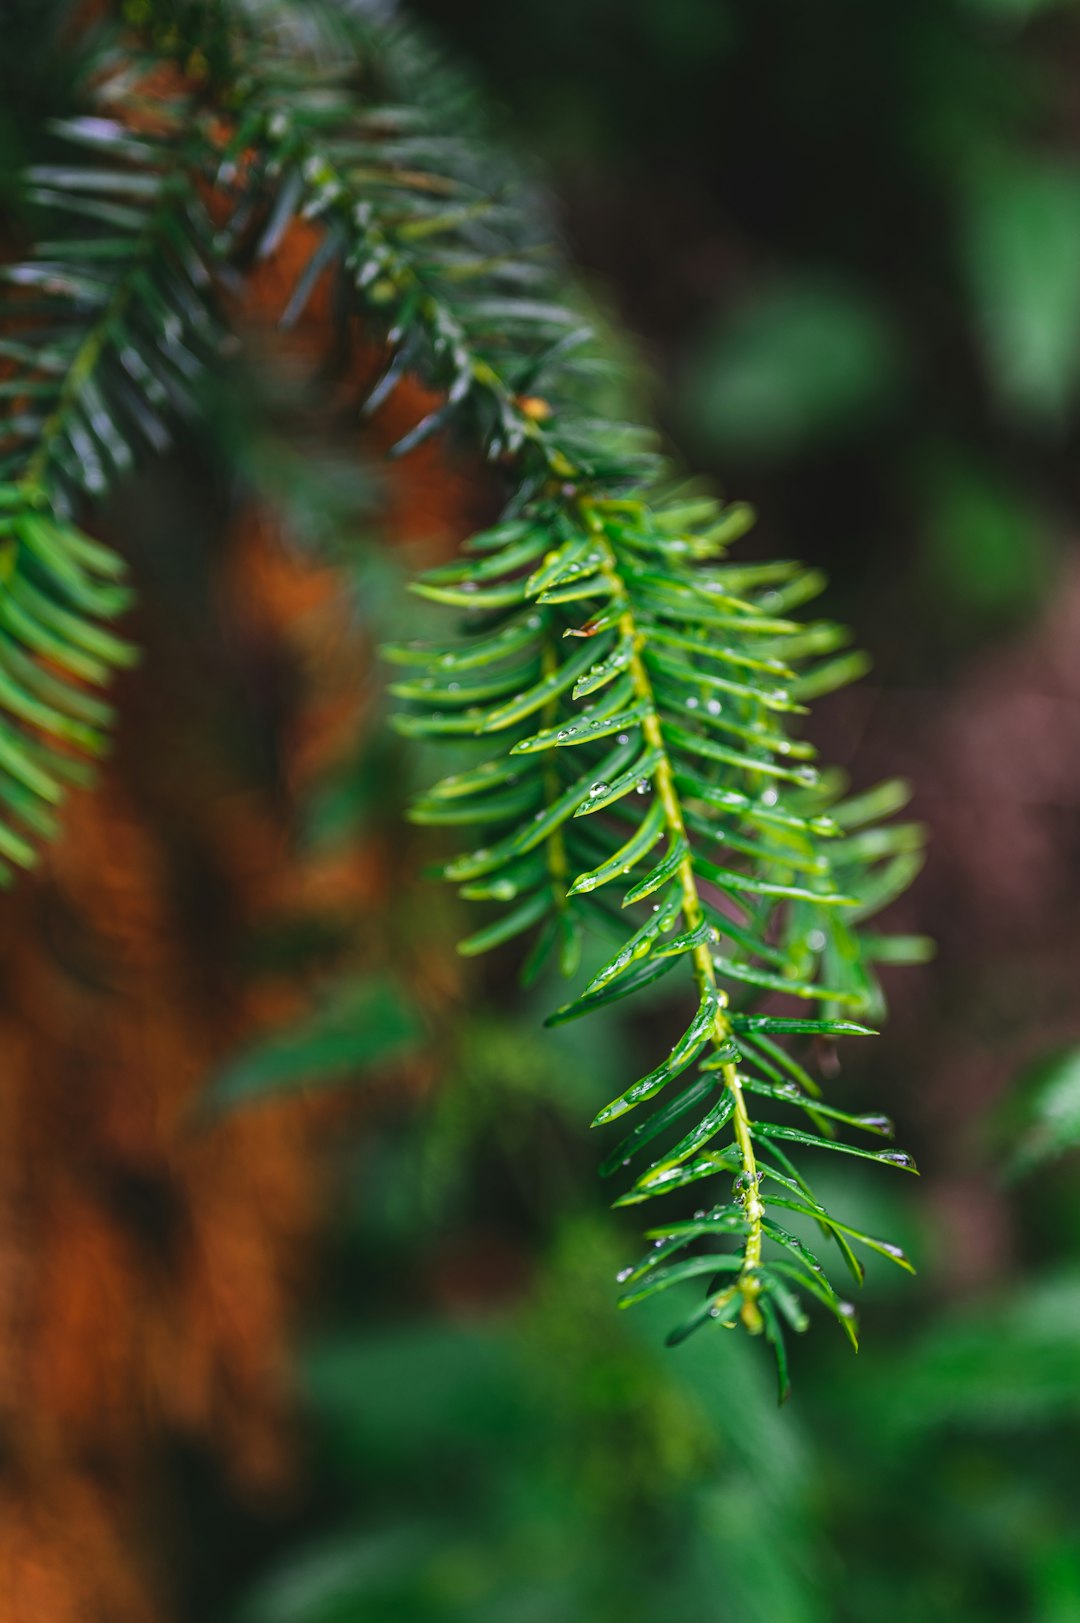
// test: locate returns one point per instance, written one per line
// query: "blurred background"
(306, 1276)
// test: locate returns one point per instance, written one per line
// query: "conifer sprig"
(630, 691)
(105, 326)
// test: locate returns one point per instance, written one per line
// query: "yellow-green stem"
(558, 868)
(693, 913)
(82, 367)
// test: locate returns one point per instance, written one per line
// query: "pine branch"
(103, 334)
(688, 667)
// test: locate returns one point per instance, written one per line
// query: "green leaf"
(512, 924)
(664, 1278)
(1046, 1113)
(603, 794)
(356, 1028)
(792, 365)
(702, 1088)
(885, 1248)
(710, 1312)
(1023, 259)
(576, 733)
(775, 1336)
(627, 985)
(525, 838)
(779, 1025)
(602, 672)
(541, 694)
(684, 1052)
(624, 859)
(714, 1120)
(895, 1158)
(666, 868)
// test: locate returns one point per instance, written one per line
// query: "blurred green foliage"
(988, 547)
(1040, 1120)
(1021, 247)
(355, 1027)
(788, 367)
